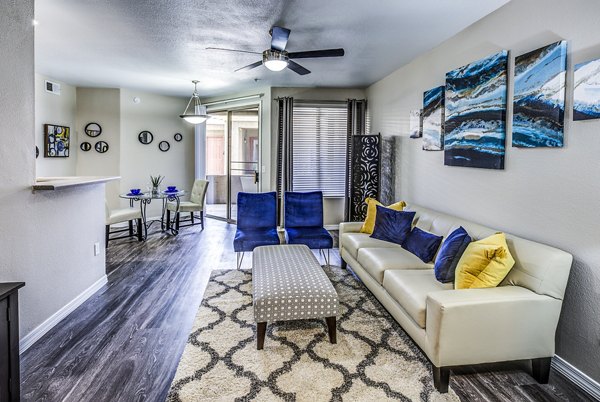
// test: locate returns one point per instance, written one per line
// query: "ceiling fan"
(277, 58)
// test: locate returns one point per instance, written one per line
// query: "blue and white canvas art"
(415, 130)
(475, 127)
(539, 101)
(433, 119)
(586, 96)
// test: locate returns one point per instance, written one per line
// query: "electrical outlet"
(96, 249)
(264, 169)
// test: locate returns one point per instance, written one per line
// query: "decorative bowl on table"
(135, 191)
(171, 189)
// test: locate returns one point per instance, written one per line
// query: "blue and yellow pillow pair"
(394, 225)
(473, 265)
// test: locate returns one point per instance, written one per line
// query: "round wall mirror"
(164, 146)
(178, 137)
(101, 147)
(93, 129)
(145, 137)
(85, 146)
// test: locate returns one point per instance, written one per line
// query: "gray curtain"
(284, 149)
(357, 125)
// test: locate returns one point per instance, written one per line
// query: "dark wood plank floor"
(124, 343)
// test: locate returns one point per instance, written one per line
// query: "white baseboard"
(573, 374)
(39, 331)
(332, 227)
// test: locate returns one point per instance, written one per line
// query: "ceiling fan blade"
(297, 68)
(279, 38)
(250, 66)
(232, 50)
(317, 53)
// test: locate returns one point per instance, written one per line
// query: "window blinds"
(319, 148)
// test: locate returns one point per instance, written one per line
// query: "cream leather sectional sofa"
(514, 321)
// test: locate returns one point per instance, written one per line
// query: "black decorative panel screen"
(364, 173)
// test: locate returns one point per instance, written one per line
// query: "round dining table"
(146, 198)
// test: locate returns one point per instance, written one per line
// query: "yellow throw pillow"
(484, 264)
(372, 203)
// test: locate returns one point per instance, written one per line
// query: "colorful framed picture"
(475, 125)
(433, 119)
(415, 124)
(586, 95)
(56, 141)
(539, 100)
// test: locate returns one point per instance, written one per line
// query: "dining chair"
(195, 204)
(114, 216)
(303, 221)
(256, 223)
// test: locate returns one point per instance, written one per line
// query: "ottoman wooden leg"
(332, 329)
(261, 331)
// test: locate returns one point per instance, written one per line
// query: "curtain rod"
(333, 102)
(233, 100)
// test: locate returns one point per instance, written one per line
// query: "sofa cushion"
(353, 242)
(452, 249)
(392, 225)
(377, 260)
(484, 264)
(422, 244)
(410, 289)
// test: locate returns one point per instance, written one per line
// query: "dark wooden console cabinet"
(10, 382)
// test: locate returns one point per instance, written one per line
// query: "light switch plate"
(96, 248)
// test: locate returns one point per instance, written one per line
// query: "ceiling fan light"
(275, 60)
(276, 65)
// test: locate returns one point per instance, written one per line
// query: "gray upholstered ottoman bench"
(288, 283)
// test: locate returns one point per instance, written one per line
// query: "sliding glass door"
(232, 159)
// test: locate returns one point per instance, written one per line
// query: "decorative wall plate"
(101, 147)
(85, 146)
(56, 141)
(145, 137)
(164, 146)
(178, 137)
(93, 129)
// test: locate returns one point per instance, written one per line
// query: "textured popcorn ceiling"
(159, 46)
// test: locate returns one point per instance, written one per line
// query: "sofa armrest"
(472, 326)
(349, 227)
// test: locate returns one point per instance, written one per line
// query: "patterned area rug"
(373, 360)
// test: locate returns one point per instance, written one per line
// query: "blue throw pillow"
(392, 226)
(450, 253)
(422, 244)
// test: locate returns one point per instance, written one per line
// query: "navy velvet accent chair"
(256, 222)
(303, 220)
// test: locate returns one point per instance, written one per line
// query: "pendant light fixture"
(199, 115)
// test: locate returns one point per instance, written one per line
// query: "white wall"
(102, 106)
(159, 115)
(122, 120)
(46, 238)
(333, 209)
(55, 109)
(547, 195)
